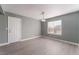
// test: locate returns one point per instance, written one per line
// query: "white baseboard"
(40, 36)
(67, 42)
(30, 38)
(3, 44)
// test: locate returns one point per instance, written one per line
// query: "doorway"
(14, 29)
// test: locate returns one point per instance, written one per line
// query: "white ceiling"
(34, 10)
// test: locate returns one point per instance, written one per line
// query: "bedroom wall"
(70, 27)
(3, 27)
(30, 27)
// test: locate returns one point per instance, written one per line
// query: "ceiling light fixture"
(43, 19)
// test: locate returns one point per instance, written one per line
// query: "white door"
(14, 29)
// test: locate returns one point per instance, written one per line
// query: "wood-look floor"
(39, 46)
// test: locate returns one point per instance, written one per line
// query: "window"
(55, 27)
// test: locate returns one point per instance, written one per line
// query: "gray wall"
(30, 27)
(69, 27)
(78, 29)
(3, 26)
(1, 11)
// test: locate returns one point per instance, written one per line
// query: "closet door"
(14, 29)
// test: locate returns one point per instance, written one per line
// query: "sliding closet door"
(14, 29)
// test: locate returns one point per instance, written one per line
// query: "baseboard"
(67, 42)
(40, 36)
(30, 38)
(3, 44)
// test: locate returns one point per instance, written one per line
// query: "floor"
(40, 46)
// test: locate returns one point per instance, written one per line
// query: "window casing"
(55, 27)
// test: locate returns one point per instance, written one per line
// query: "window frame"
(54, 33)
